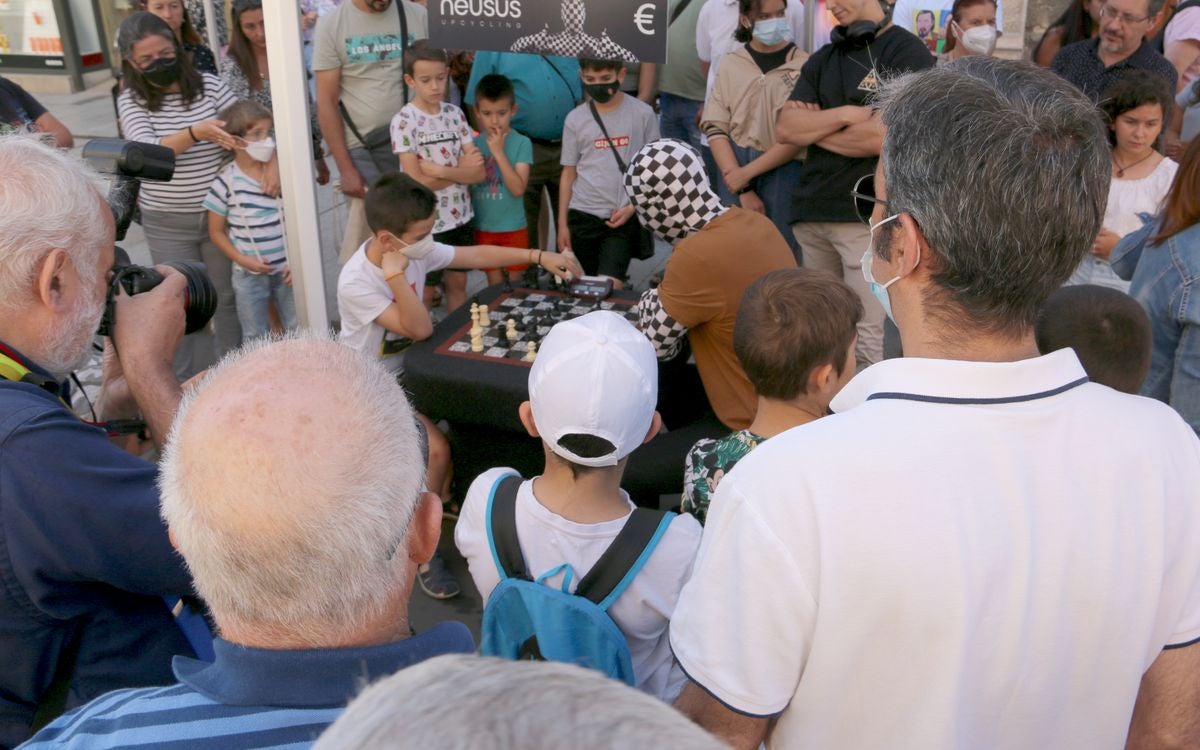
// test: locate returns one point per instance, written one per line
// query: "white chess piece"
(484, 320)
(530, 352)
(474, 312)
(476, 339)
(511, 333)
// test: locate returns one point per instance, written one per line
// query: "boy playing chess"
(379, 298)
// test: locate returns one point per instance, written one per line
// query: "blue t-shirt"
(496, 209)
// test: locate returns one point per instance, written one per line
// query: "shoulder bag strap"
(350, 124)
(403, 47)
(502, 528)
(611, 146)
(679, 9)
(620, 563)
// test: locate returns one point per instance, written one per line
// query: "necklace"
(1121, 168)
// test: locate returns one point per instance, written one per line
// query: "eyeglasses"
(865, 200)
(145, 61)
(1112, 14)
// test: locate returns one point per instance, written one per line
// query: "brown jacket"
(744, 103)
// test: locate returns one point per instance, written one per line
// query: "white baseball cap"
(594, 375)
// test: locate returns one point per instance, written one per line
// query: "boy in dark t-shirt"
(19, 111)
(830, 113)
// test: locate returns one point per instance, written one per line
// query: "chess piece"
(484, 319)
(476, 339)
(530, 352)
(511, 333)
(474, 312)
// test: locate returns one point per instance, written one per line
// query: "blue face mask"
(879, 290)
(773, 31)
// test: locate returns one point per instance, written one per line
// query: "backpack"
(528, 619)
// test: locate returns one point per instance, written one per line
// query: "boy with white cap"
(592, 392)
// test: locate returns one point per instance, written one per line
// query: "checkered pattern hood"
(670, 191)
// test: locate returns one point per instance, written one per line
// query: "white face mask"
(978, 40)
(261, 150)
(418, 249)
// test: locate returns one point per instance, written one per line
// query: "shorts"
(460, 236)
(515, 238)
(602, 251)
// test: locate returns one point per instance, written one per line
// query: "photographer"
(85, 555)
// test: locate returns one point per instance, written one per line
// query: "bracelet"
(389, 278)
(192, 135)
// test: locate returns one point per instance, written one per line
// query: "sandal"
(437, 581)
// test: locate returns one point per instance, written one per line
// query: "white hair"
(47, 201)
(462, 702)
(302, 538)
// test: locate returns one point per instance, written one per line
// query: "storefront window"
(29, 34)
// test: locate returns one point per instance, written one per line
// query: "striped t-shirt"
(252, 218)
(247, 698)
(194, 168)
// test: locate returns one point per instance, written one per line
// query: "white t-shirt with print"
(440, 139)
(548, 540)
(363, 295)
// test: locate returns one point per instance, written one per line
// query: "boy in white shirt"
(592, 392)
(379, 299)
(436, 146)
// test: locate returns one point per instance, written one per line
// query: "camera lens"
(201, 301)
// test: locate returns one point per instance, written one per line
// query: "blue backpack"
(527, 619)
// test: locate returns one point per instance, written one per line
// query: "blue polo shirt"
(248, 697)
(84, 560)
(547, 88)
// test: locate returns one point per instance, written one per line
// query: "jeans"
(774, 188)
(544, 174)
(677, 119)
(253, 294)
(184, 236)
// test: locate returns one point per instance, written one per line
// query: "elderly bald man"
(305, 549)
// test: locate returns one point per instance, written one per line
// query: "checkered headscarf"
(670, 191)
(573, 15)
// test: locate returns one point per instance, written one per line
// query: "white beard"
(70, 346)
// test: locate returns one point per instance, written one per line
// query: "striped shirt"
(253, 219)
(194, 168)
(248, 697)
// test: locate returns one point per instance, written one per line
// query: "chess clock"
(592, 287)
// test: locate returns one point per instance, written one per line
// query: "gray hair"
(338, 496)
(461, 702)
(48, 200)
(1005, 167)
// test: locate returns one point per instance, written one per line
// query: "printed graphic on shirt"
(870, 82)
(441, 139)
(929, 24)
(707, 464)
(375, 48)
(617, 141)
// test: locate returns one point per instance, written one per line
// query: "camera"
(130, 163)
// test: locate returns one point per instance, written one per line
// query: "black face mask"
(601, 92)
(163, 72)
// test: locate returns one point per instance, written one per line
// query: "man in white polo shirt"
(980, 548)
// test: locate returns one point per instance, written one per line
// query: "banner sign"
(628, 30)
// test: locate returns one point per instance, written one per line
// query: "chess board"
(534, 313)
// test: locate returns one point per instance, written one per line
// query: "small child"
(247, 226)
(379, 300)
(498, 201)
(592, 391)
(794, 338)
(595, 218)
(436, 147)
(1108, 329)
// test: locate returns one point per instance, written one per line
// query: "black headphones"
(858, 34)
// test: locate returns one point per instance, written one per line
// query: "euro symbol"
(644, 18)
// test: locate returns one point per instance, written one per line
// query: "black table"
(466, 388)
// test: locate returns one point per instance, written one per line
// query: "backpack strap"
(624, 558)
(502, 528)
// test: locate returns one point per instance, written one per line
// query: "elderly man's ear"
(425, 529)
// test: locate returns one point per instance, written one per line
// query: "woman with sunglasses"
(169, 103)
(1163, 261)
(248, 75)
(176, 16)
(1136, 108)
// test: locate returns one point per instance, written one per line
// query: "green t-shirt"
(681, 76)
(496, 209)
(367, 48)
(707, 463)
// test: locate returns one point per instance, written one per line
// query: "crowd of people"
(989, 540)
